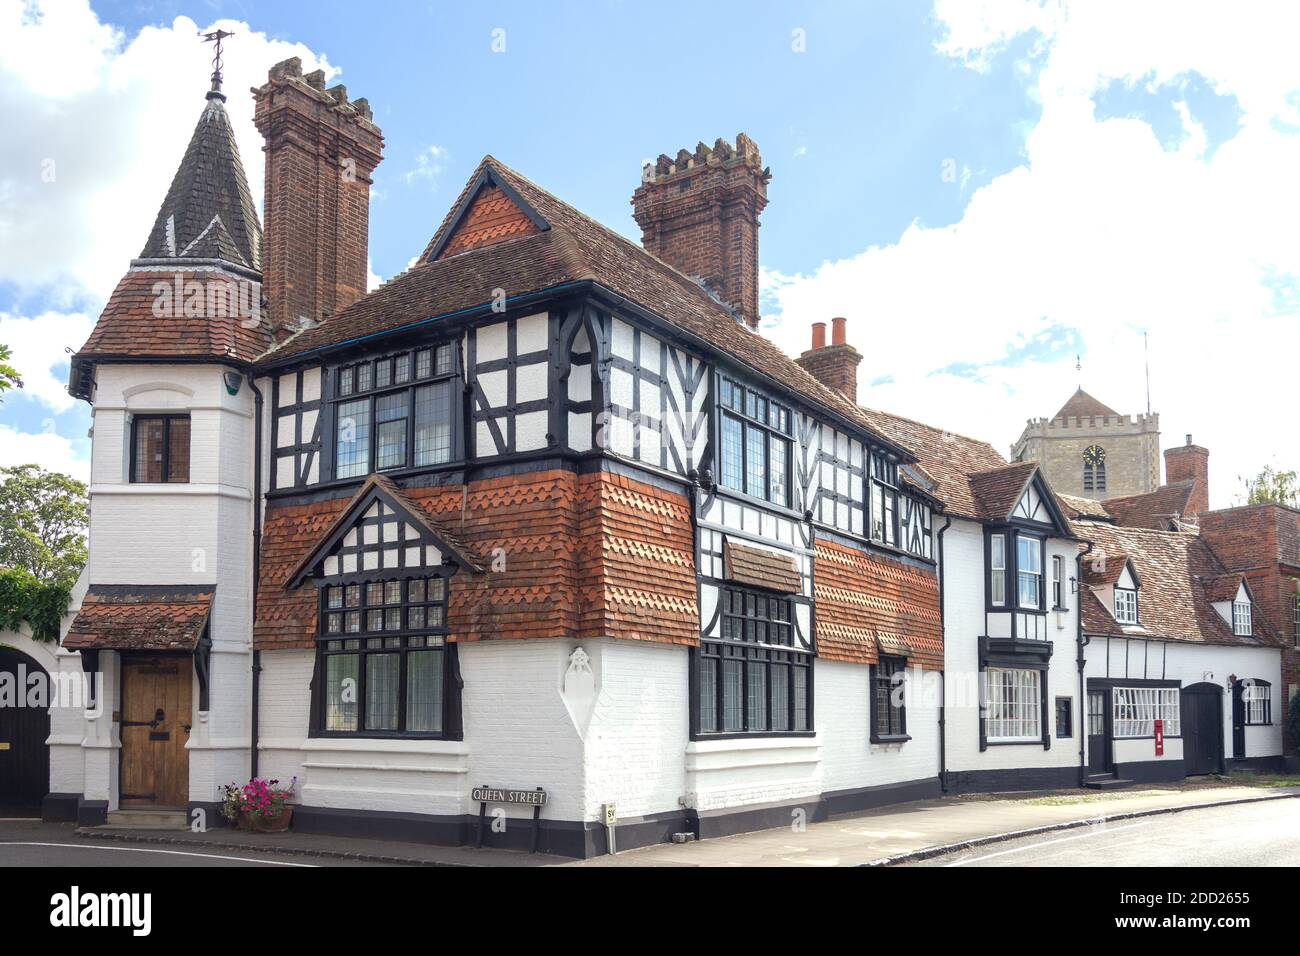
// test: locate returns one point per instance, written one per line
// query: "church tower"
(1090, 450)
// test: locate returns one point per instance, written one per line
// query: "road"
(32, 843)
(1257, 834)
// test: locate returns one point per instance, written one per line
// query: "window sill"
(891, 739)
(1035, 742)
(353, 743)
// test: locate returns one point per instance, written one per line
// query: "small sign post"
(527, 798)
(611, 825)
(1160, 738)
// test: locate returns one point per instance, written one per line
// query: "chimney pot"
(819, 336)
(1189, 438)
(837, 330)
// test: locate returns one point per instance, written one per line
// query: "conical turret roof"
(209, 212)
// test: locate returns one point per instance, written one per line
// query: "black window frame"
(715, 652)
(1268, 704)
(409, 640)
(1011, 536)
(166, 418)
(409, 387)
(1058, 582)
(1068, 704)
(889, 672)
(1295, 619)
(883, 476)
(729, 386)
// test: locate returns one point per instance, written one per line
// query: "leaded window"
(1012, 705)
(395, 412)
(160, 448)
(888, 699)
(1136, 709)
(755, 446)
(383, 657)
(884, 500)
(754, 679)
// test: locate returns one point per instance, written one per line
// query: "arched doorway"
(1202, 725)
(24, 756)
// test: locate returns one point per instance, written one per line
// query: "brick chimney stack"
(1190, 462)
(834, 365)
(321, 150)
(699, 213)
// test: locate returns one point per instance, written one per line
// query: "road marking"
(132, 849)
(1035, 846)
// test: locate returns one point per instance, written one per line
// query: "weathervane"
(215, 38)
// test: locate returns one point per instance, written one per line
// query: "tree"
(43, 519)
(1276, 487)
(8, 374)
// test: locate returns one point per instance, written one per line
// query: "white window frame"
(998, 569)
(1135, 710)
(1030, 568)
(1241, 623)
(1255, 699)
(1013, 705)
(1126, 605)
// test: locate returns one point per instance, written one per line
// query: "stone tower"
(1090, 450)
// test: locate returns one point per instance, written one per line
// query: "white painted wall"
(964, 622)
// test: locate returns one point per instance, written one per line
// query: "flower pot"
(260, 824)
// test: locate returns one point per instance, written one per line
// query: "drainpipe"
(943, 683)
(1081, 642)
(257, 564)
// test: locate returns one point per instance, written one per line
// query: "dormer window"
(1126, 605)
(1241, 618)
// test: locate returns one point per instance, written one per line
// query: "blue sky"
(986, 193)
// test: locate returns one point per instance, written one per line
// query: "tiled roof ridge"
(935, 429)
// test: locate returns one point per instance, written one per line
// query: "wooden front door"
(24, 728)
(1099, 751)
(1201, 719)
(155, 725)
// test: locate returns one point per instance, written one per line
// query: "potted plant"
(261, 805)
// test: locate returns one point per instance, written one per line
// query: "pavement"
(892, 835)
(1264, 834)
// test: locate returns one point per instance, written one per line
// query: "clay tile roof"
(1073, 507)
(997, 491)
(1223, 587)
(572, 248)
(141, 618)
(209, 185)
(1154, 509)
(946, 457)
(1102, 568)
(1176, 569)
(1083, 405)
(761, 567)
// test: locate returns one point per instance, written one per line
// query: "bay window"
(998, 569)
(753, 680)
(383, 648)
(1029, 571)
(1012, 705)
(395, 412)
(160, 448)
(755, 444)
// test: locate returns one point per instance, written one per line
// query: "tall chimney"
(699, 213)
(1190, 462)
(321, 150)
(834, 365)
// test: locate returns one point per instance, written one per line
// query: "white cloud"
(95, 126)
(51, 451)
(1104, 232)
(40, 354)
(429, 165)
